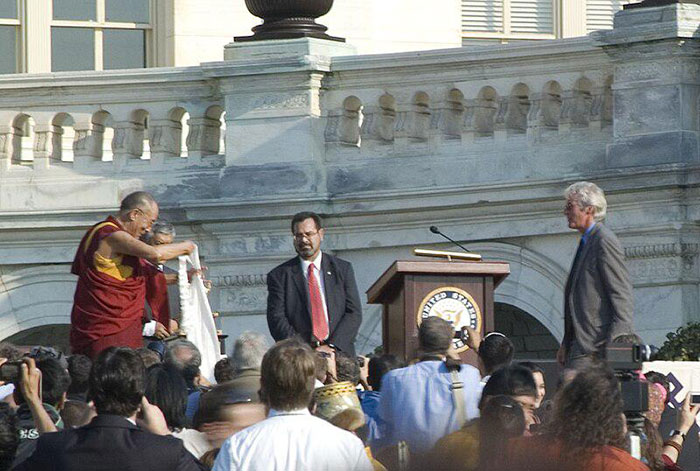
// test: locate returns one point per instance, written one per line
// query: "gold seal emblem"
(455, 306)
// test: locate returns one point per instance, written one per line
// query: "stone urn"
(288, 19)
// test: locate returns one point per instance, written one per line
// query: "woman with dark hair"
(166, 388)
(586, 431)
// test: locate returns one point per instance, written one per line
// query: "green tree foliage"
(682, 345)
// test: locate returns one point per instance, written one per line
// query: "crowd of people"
(151, 409)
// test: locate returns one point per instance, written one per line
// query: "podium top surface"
(499, 270)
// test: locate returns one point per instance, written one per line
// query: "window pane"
(8, 49)
(75, 10)
(124, 49)
(132, 11)
(72, 49)
(8, 9)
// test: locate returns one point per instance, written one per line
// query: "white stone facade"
(481, 143)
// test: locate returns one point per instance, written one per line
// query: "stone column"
(87, 146)
(656, 84)
(6, 135)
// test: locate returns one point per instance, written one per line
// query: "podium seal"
(453, 305)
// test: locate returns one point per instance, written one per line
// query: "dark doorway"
(51, 335)
(531, 339)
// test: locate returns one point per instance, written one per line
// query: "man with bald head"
(111, 264)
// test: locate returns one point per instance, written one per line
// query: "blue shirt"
(417, 405)
(585, 235)
(369, 400)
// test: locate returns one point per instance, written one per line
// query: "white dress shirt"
(292, 440)
(319, 276)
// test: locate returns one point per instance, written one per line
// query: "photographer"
(685, 417)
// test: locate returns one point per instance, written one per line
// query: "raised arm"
(122, 243)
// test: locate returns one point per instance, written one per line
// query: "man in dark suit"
(112, 440)
(598, 304)
(315, 294)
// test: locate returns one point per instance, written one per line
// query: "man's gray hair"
(185, 356)
(588, 194)
(163, 227)
(248, 351)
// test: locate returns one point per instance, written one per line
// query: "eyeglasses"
(307, 235)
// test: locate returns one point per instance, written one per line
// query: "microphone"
(435, 230)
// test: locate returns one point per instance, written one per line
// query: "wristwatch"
(677, 432)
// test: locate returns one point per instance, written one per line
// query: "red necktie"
(319, 324)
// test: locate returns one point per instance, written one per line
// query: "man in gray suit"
(598, 304)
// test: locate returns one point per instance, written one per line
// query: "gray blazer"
(598, 304)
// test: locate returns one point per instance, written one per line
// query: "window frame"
(507, 34)
(18, 24)
(101, 24)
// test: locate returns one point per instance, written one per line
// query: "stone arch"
(387, 117)
(485, 112)
(23, 139)
(535, 284)
(50, 335)
(34, 297)
(551, 104)
(350, 121)
(140, 120)
(454, 114)
(420, 116)
(582, 101)
(608, 102)
(518, 108)
(63, 137)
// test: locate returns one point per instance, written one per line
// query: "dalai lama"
(114, 268)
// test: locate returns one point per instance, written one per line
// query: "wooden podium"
(458, 291)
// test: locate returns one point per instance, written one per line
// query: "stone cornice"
(661, 250)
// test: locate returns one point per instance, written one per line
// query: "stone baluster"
(203, 138)
(600, 115)
(6, 137)
(500, 129)
(535, 118)
(568, 110)
(165, 139)
(331, 132)
(468, 127)
(88, 142)
(127, 143)
(47, 145)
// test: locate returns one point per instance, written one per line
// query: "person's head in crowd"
(230, 409)
(588, 413)
(76, 414)
(495, 351)
(435, 336)
(501, 418)
(662, 380)
(288, 372)
(79, 370)
(117, 382)
(209, 457)
(248, 351)
(149, 357)
(9, 436)
(161, 233)
(185, 356)
(224, 370)
(517, 383)
(10, 352)
(378, 367)
(538, 375)
(346, 368)
(55, 382)
(166, 388)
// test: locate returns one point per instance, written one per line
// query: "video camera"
(626, 361)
